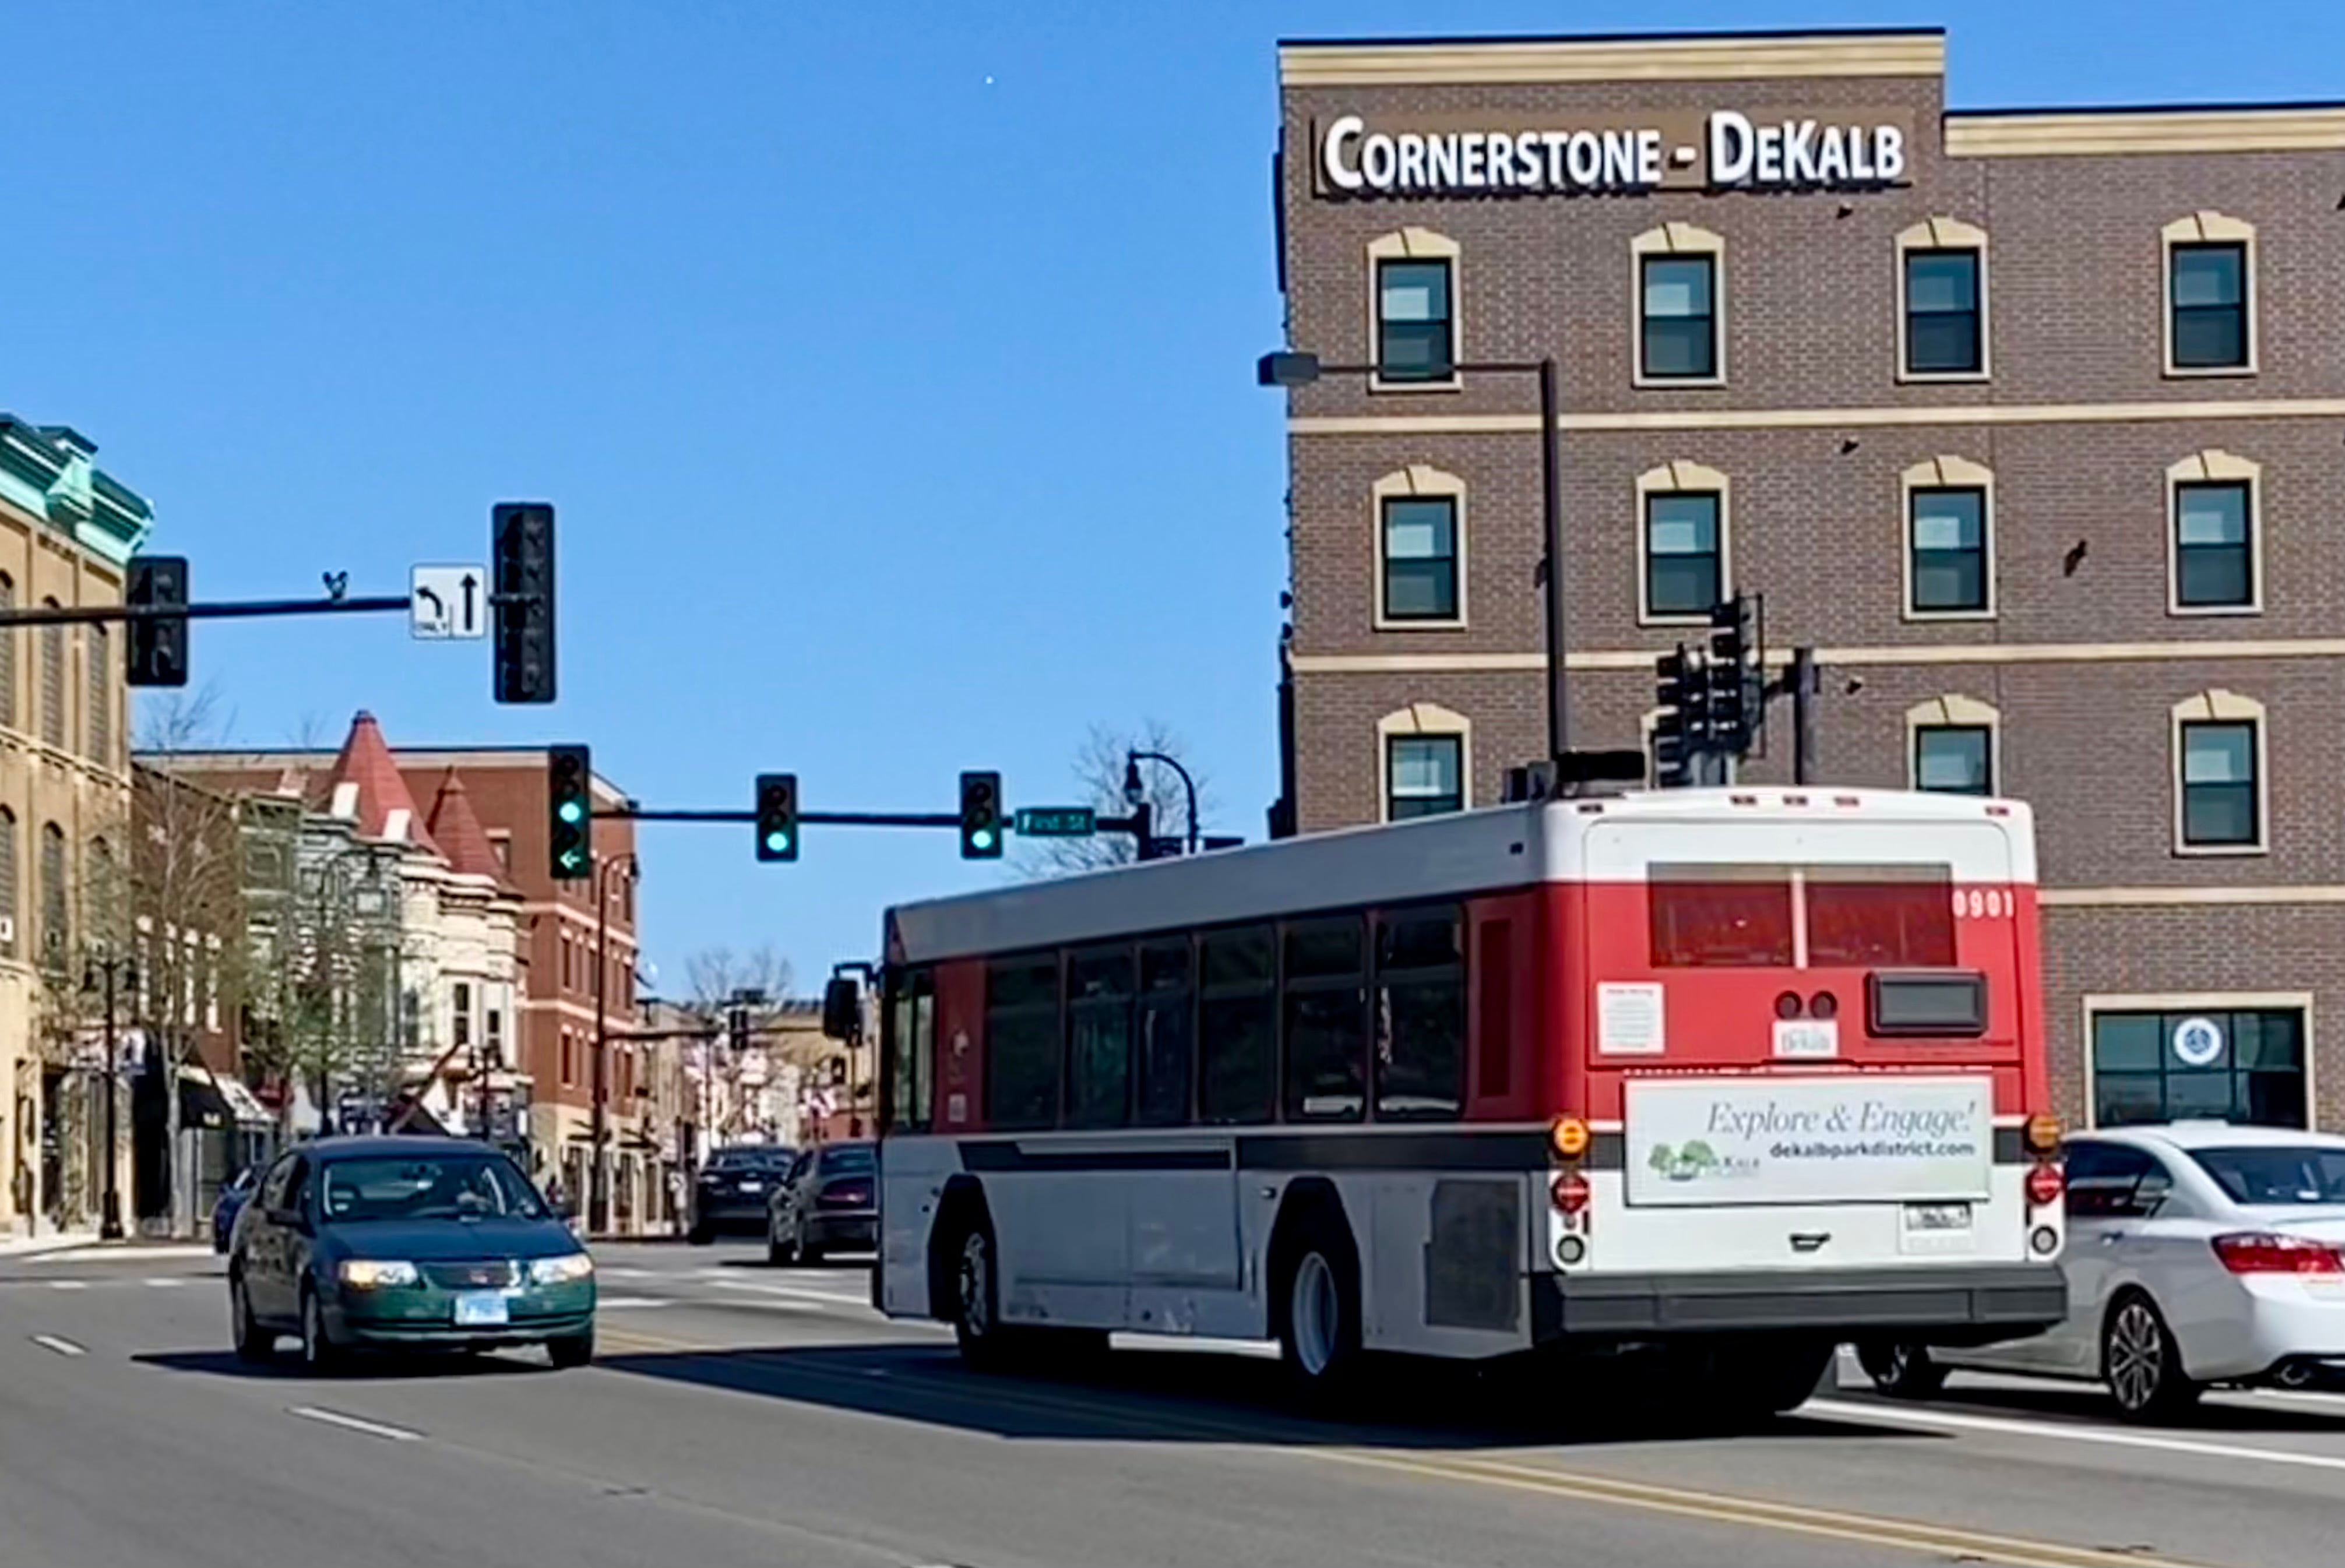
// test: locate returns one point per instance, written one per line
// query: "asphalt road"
(745, 1415)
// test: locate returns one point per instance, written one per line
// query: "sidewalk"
(47, 1241)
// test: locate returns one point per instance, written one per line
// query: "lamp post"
(1135, 792)
(107, 975)
(598, 1178)
(1290, 370)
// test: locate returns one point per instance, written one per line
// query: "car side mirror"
(842, 1008)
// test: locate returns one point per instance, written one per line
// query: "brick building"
(2030, 422)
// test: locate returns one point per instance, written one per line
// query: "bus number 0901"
(1983, 903)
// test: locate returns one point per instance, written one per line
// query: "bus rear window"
(1720, 916)
(1869, 916)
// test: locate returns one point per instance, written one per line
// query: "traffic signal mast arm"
(221, 610)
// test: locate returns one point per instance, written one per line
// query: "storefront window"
(2245, 1066)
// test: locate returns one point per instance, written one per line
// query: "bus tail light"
(1569, 1136)
(2270, 1252)
(2042, 1132)
(1570, 1192)
(2045, 1185)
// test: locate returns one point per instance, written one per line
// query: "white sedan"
(2198, 1253)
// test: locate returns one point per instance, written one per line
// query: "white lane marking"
(123, 1255)
(68, 1284)
(616, 1273)
(2058, 1432)
(354, 1423)
(630, 1303)
(797, 1292)
(62, 1347)
(159, 1283)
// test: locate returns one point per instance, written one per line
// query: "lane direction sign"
(448, 602)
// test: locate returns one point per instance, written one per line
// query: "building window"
(1950, 550)
(1683, 554)
(1415, 340)
(1420, 551)
(2220, 805)
(101, 697)
(1425, 775)
(56, 933)
(2213, 563)
(463, 1016)
(1943, 335)
(492, 1036)
(52, 682)
(500, 843)
(569, 1060)
(9, 908)
(2239, 1064)
(1679, 338)
(2208, 284)
(7, 657)
(1954, 759)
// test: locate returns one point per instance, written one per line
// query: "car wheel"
(320, 1354)
(698, 1236)
(1319, 1327)
(570, 1351)
(809, 1253)
(254, 1344)
(1900, 1368)
(2141, 1363)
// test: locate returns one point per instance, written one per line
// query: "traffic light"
(1735, 706)
(981, 816)
(523, 601)
(158, 645)
(1673, 744)
(570, 812)
(778, 816)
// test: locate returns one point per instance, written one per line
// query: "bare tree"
(1099, 772)
(715, 974)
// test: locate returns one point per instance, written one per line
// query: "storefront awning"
(221, 1103)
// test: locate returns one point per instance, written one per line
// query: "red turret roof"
(456, 828)
(365, 762)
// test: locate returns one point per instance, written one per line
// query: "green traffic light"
(982, 839)
(778, 842)
(572, 811)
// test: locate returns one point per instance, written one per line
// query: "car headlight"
(374, 1273)
(561, 1271)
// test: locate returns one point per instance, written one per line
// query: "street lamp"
(107, 974)
(1135, 792)
(598, 1189)
(1290, 369)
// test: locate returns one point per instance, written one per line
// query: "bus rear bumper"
(1947, 1304)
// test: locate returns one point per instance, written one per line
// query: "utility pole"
(114, 971)
(1806, 683)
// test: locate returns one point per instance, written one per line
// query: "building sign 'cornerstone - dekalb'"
(1730, 151)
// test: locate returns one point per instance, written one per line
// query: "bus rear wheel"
(1319, 1317)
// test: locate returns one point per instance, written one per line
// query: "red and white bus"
(1731, 1074)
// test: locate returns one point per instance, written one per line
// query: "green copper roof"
(46, 469)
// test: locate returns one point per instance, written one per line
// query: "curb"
(42, 1246)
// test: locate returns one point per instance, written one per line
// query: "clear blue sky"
(890, 363)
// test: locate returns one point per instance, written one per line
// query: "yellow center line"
(1913, 1535)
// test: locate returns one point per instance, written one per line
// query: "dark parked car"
(733, 1188)
(830, 1202)
(416, 1243)
(232, 1198)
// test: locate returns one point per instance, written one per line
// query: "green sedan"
(405, 1243)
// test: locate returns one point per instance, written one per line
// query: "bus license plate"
(1937, 1217)
(480, 1309)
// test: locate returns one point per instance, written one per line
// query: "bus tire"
(1318, 1306)
(1736, 1381)
(975, 1287)
(1901, 1369)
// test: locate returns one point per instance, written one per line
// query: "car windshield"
(427, 1187)
(2279, 1174)
(847, 1159)
(750, 1161)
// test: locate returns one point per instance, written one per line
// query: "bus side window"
(1326, 1007)
(1420, 1022)
(1237, 1027)
(1099, 1037)
(908, 1052)
(1164, 1051)
(1021, 1042)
